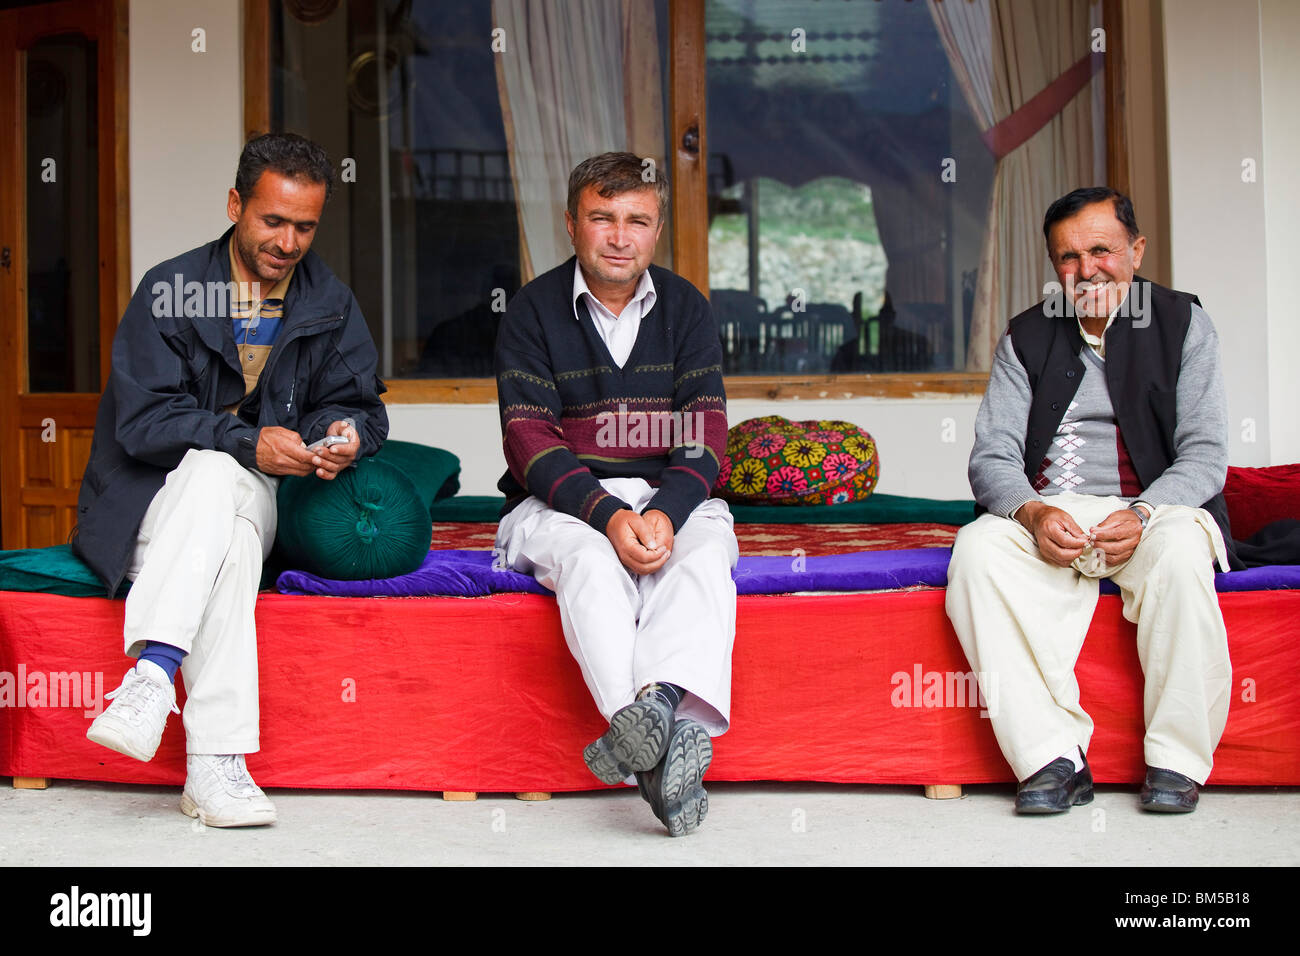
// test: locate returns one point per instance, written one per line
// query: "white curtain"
(563, 89)
(1003, 53)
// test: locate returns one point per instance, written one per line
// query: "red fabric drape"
(481, 694)
(1036, 112)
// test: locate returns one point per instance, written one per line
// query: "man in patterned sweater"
(613, 420)
(1101, 450)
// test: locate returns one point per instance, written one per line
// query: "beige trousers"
(197, 563)
(1022, 622)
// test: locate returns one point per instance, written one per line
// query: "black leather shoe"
(637, 740)
(673, 788)
(1166, 791)
(1055, 788)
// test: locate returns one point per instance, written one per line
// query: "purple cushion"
(470, 574)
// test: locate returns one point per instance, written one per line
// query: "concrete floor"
(93, 824)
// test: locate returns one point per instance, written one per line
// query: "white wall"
(1279, 29)
(1215, 121)
(185, 120)
(923, 444)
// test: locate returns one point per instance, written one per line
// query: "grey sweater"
(997, 461)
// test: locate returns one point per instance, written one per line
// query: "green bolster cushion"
(369, 522)
(774, 461)
(435, 472)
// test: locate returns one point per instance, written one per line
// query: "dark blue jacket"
(174, 372)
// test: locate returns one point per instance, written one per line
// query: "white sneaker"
(219, 791)
(134, 722)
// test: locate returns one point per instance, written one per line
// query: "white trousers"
(1022, 623)
(197, 563)
(627, 630)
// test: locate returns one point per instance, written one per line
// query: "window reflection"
(62, 216)
(834, 245)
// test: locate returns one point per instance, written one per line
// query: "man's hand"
(661, 527)
(330, 461)
(632, 536)
(280, 451)
(1117, 536)
(1059, 539)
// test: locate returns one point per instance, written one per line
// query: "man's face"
(275, 228)
(1094, 259)
(615, 238)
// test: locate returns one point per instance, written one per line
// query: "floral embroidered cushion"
(774, 461)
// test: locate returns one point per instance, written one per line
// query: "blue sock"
(164, 655)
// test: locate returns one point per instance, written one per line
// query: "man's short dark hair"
(615, 173)
(289, 155)
(1071, 203)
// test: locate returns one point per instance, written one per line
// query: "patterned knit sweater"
(570, 416)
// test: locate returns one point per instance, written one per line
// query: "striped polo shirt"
(255, 325)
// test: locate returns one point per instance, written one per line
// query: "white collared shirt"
(1098, 342)
(617, 331)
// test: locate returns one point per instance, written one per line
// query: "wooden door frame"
(107, 25)
(687, 94)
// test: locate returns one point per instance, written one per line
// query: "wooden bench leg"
(942, 791)
(31, 783)
(459, 795)
(533, 795)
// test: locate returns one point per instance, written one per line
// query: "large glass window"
(874, 178)
(461, 120)
(835, 245)
(423, 224)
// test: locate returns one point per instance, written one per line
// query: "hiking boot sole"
(637, 740)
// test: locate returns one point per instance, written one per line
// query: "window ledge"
(466, 391)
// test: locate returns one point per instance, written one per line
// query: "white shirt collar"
(645, 290)
(1098, 342)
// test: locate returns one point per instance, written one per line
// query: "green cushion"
(55, 570)
(468, 508)
(434, 472)
(369, 522)
(878, 509)
(774, 461)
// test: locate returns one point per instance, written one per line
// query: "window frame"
(687, 118)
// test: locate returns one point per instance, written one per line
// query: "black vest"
(1144, 353)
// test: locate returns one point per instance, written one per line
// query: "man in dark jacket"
(235, 363)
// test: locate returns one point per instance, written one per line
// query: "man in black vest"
(1101, 450)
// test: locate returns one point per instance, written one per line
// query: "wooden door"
(64, 231)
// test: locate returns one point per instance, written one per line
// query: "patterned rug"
(759, 539)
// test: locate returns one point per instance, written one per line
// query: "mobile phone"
(329, 441)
